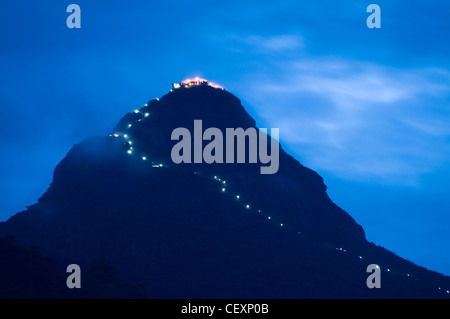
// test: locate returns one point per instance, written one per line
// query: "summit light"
(197, 81)
(136, 111)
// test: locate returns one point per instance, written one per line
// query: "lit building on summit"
(194, 82)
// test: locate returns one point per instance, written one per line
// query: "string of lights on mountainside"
(222, 184)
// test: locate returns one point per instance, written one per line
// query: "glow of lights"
(223, 189)
(144, 158)
(136, 111)
(129, 151)
(224, 182)
(388, 269)
(125, 135)
(146, 114)
(129, 125)
(157, 99)
(145, 104)
(281, 225)
(248, 206)
(116, 134)
(237, 196)
(196, 81)
(160, 165)
(360, 257)
(268, 217)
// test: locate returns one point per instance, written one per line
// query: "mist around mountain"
(141, 226)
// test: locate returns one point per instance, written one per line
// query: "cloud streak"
(358, 120)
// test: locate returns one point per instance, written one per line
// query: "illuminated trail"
(221, 182)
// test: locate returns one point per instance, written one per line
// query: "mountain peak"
(224, 226)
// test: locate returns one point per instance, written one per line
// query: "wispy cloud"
(358, 120)
(266, 44)
(275, 43)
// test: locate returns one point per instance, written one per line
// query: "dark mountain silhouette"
(182, 232)
(27, 273)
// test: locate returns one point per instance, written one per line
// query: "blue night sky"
(368, 109)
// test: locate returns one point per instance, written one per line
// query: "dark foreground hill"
(204, 230)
